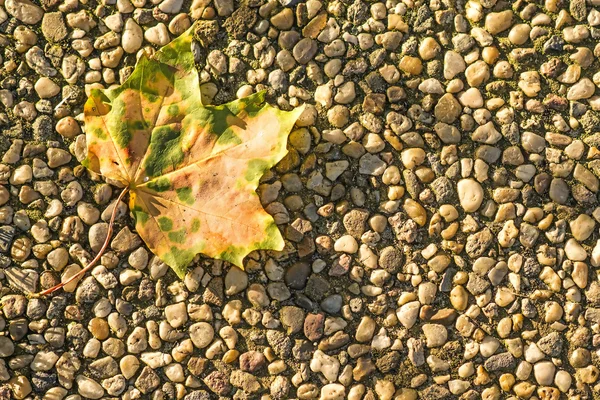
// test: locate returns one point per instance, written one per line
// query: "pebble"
(46, 88)
(470, 194)
(544, 372)
(25, 11)
(86, 387)
(132, 36)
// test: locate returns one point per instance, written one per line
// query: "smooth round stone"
(429, 48)
(544, 372)
(46, 88)
(68, 127)
(99, 328)
(582, 227)
(412, 158)
(22, 174)
(458, 386)
(471, 98)
(436, 335)
(415, 211)
(580, 358)
(580, 274)
(554, 312)
(431, 86)
(532, 142)
(519, 34)
(583, 89)
(176, 314)
(236, 281)
(7, 347)
(365, 329)
(466, 370)
(575, 251)
(488, 346)
(129, 366)
(454, 64)
(563, 381)
(523, 370)
(525, 172)
(333, 391)
(459, 298)
(524, 389)
(89, 388)
(559, 191)
(346, 244)
(202, 334)
(448, 212)
(507, 381)
(158, 35)
(427, 292)
(497, 22)
(4, 195)
(408, 313)
(477, 73)
(470, 194)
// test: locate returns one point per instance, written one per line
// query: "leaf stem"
(98, 255)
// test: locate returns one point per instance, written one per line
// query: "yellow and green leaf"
(192, 169)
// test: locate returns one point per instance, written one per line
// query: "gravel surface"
(439, 205)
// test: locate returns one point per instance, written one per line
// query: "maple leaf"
(192, 169)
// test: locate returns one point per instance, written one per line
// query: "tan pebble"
(588, 374)
(99, 328)
(412, 157)
(563, 380)
(395, 192)
(415, 211)
(582, 227)
(524, 389)
(448, 212)
(411, 65)
(230, 356)
(46, 88)
(519, 34)
(129, 366)
(506, 382)
(477, 73)
(68, 127)
(429, 48)
(580, 274)
(470, 194)
(490, 54)
(504, 297)
(450, 231)
(497, 22)
(459, 298)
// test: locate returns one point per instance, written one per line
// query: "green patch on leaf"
(161, 184)
(184, 194)
(99, 132)
(165, 224)
(165, 151)
(177, 236)
(256, 169)
(173, 110)
(140, 215)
